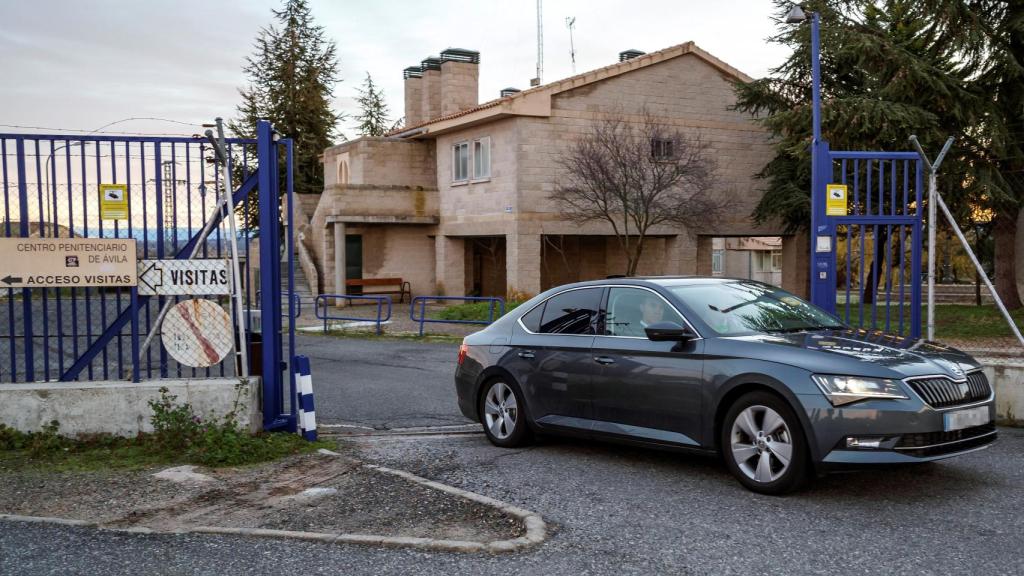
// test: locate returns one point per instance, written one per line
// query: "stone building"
(458, 201)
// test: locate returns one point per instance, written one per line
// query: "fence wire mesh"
(53, 191)
(966, 314)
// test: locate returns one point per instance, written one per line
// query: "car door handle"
(528, 354)
(604, 360)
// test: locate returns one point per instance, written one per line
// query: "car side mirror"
(668, 332)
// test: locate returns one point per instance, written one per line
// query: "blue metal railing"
(322, 304)
(422, 319)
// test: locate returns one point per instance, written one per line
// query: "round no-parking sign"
(197, 333)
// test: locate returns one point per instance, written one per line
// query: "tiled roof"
(593, 76)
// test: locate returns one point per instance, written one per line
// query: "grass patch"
(953, 321)
(472, 311)
(179, 437)
(968, 322)
(393, 336)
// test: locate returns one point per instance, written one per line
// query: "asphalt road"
(612, 509)
(380, 383)
(618, 510)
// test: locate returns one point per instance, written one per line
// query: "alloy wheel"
(501, 411)
(761, 444)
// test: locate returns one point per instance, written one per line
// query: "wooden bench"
(399, 286)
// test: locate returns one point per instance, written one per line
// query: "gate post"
(270, 278)
(823, 232)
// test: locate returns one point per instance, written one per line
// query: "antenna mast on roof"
(570, 22)
(540, 45)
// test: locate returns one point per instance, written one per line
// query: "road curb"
(536, 528)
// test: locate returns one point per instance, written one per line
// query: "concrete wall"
(387, 161)
(459, 86)
(413, 101)
(430, 94)
(685, 93)
(405, 252)
(119, 408)
(1007, 378)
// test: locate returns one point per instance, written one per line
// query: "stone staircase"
(301, 288)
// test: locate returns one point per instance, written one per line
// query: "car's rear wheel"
(503, 415)
(763, 444)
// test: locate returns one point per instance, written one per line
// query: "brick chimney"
(460, 72)
(430, 95)
(413, 95)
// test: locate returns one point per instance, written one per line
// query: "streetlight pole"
(822, 234)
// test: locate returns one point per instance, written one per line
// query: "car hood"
(859, 352)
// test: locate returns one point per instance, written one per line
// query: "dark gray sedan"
(776, 385)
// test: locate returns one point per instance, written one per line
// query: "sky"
(78, 65)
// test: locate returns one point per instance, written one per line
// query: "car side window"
(532, 318)
(572, 312)
(631, 310)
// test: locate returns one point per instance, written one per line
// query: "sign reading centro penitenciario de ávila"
(58, 262)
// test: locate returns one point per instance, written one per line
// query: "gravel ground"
(621, 510)
(271, 495)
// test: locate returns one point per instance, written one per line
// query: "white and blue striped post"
(304, 390)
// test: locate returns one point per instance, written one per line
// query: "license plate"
(960, 419)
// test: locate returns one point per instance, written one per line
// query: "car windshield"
(738, 308)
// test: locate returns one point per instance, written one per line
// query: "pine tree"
(889, 69)
(291, 77)
(373, 117)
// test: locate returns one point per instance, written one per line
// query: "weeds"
(179, 435)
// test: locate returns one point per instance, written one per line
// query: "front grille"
(932, 438)
(938, 443)
(941, 392)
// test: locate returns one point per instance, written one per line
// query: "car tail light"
(463, 350)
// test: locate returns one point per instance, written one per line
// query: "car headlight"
(845, 389)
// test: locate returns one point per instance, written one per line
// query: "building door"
(354, 260)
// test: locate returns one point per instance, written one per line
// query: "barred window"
(662, 149)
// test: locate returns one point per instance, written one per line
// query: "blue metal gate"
(50, 185)
(866, 263)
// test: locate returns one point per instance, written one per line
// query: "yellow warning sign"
(113, 202)
(836, 200)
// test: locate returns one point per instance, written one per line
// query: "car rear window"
(532, 318)
(571, 312)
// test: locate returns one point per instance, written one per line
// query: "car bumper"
(907, 431)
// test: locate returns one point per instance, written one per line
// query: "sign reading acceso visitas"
(197, 333)
(836, 200)
(113, 202)
(184, 278)
(57, 262)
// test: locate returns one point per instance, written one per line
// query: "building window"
(343, 172)
(769, 261)
(482, 158)
(716, 261)
(662, 149)
(460, 162)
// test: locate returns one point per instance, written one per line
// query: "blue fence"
(497, 304)
(866, 253)
(323, 307)
(50, 187)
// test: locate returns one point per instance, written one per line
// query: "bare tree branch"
(637, 176)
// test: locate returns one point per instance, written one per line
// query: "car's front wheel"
(502, 414)
(763, 444)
